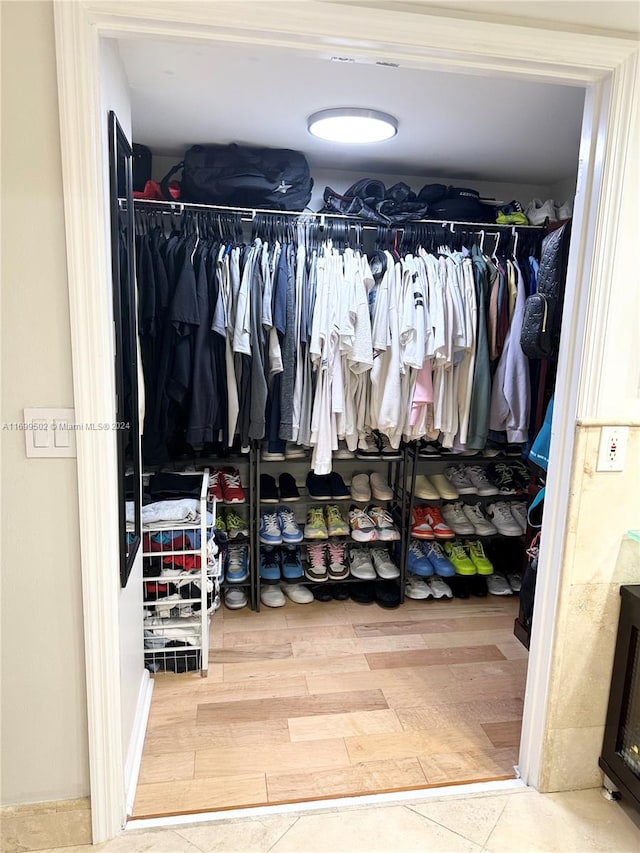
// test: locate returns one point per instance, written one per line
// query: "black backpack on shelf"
(239, 176)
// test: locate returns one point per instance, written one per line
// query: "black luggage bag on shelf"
(240, 176)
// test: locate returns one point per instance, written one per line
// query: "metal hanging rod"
(248, 214)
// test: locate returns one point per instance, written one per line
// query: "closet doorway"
(337, 698)
(312, 22)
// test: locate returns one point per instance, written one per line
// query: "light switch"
(61, 432)
(44, 435)
(40, 429)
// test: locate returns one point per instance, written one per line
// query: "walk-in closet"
(341, 401)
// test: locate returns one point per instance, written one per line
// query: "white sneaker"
(455, 517)
(383, 564)
(272, 596)
(444, 487)
(343, 451)
(271, 457)
(360, 565)
(380, 489)
(564, 211)
(439, 589)
(361, 488)
(481, 523)
(515, 581)
(298, 593)
(294, 451)
(497, 585)
(503, 519)
(386, 450)
(539, 211)
(519, 512)
(457, 476)
(478, 477)
(235, 599)
(424, 488)
(415, 587)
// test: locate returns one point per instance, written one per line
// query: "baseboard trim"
(136, 744)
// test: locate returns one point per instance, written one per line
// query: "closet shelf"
(248, 214)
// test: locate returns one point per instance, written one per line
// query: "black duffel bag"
(239, 176)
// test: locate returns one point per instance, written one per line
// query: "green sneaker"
(315, 528)
(336, 525)
(220, 528)
(457, 555)
(478, 557)
(236, 525)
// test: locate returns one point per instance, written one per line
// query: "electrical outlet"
(613, 447)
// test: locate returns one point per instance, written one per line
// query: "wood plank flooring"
(337, 699)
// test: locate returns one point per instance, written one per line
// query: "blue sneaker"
(417, 562)
(291, 533)
(237, 567)
(270, 530)
(441, 565)
(269, 565)
(291, 564)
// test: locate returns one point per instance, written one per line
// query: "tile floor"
(516, 821)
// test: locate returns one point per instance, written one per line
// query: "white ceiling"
(450, 125)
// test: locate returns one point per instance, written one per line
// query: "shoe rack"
(393, 470)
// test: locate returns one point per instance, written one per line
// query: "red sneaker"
(232, 491)
(440, 528)
(420, 526)
(214, 492)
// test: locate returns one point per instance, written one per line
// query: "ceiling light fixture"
(352, 125)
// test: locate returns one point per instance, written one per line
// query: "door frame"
(604, 66)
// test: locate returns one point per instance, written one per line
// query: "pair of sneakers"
(323, 522)
(326, 562)
(279, 527)
(368, 565)
(510, 519)
(231, 525)
(225, 486)
(427, 558)
(538, 211)
(427, 522)
(372, 523)
(376, 445)
(280, 563)
(468, 557)
(417, 587)
(467, 519)
(470, 480)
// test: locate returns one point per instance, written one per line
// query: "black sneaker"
(318, 486)
(368, 447)
(340, 591)
(288, 489)
(386, 450)
(501, 476)
(387, 593)
(268, 489)
(339, 490)
(363, 593)
(321, 591)
(429, 449)
(478, 585)
(459, 586)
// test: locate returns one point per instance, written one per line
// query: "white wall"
(115, 96)
(44, 720)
